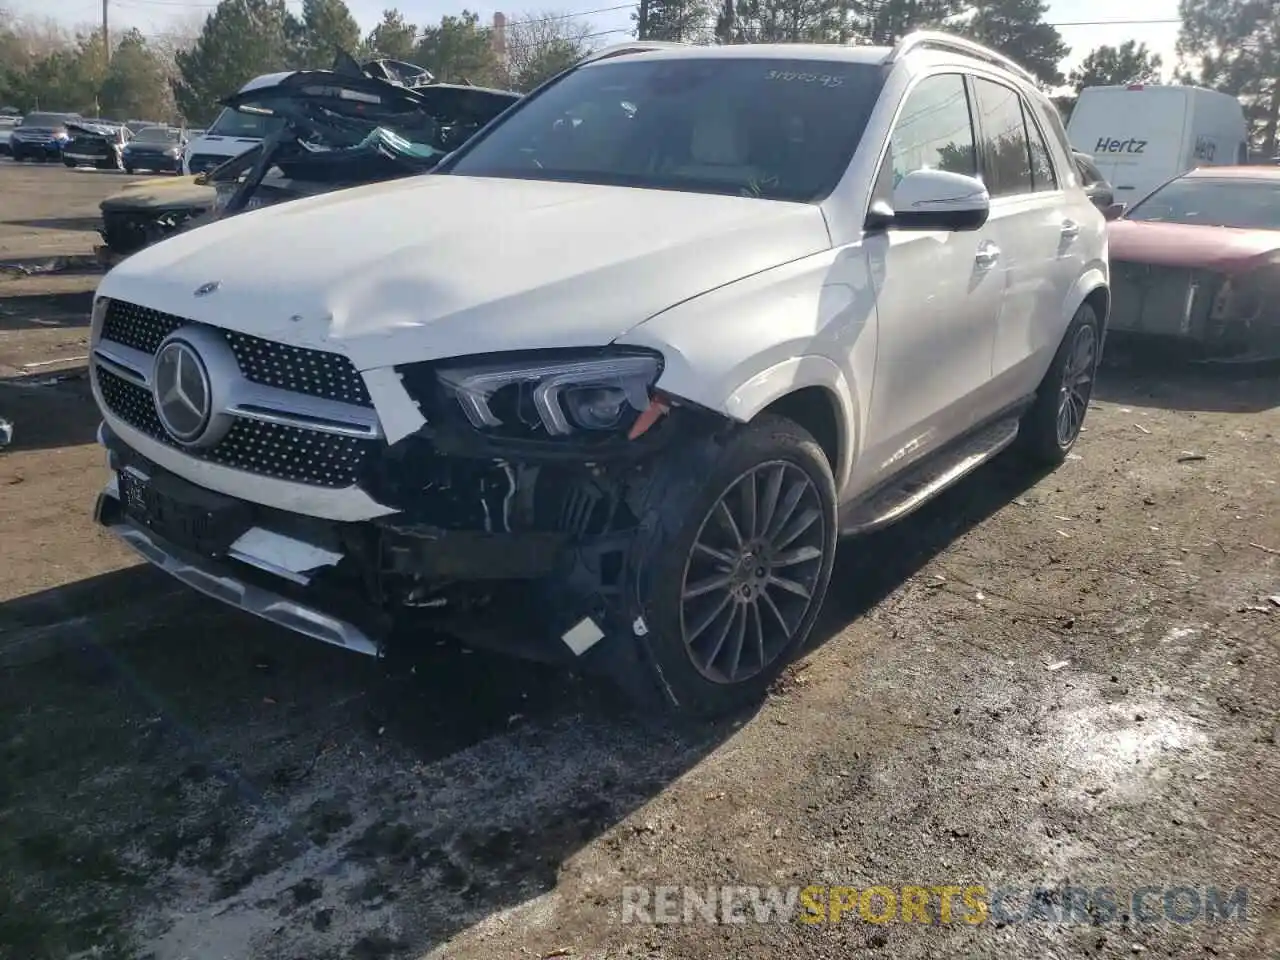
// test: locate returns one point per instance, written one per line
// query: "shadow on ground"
(77, 224)
(49, 411)
(1142, 374)
(44, 310)
(151, 720)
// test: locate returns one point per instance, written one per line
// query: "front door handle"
(987, 255)
(1070, 230)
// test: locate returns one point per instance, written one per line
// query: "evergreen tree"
(241, 40)
(1131, 62)
(1017, 29)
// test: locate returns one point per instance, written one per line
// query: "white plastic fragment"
(581, 637)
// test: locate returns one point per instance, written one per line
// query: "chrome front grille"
(255, 446)
(290, 413)
(316, 373)
(138, 327)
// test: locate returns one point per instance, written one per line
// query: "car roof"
(1234, 173)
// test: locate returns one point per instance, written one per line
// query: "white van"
(232, 133)
(1143, 135)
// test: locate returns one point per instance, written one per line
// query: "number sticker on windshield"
(822, 79)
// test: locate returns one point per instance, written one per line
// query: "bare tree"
(540, 45)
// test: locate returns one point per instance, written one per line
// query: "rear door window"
(1006, 152)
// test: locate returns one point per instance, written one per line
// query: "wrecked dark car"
(341, 128)
(97, 145)
(1196, 264)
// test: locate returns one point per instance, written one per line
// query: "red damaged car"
(1198, 261)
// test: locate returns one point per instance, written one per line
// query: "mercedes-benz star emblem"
(184, 400)
(207, 288)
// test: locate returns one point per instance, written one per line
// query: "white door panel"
(938, 296)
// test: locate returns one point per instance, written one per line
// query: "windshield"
(770, 128)
(1247, 204)
(233, 123)
(156, 135)
(46, 120)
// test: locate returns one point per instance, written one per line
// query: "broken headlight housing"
(552, 394)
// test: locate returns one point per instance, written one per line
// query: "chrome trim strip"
(133, 365)
(252, 599)
(345, 504)
(254, 401)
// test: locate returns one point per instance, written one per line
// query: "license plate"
(182, 513)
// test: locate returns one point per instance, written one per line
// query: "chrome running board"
(919, 486)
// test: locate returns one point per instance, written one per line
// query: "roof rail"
(633, 46)
(936, 40)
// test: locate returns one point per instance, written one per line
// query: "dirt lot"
(1034, 682)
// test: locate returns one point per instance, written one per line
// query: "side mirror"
(1114, 210)
(934, 200)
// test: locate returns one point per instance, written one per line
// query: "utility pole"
(106, 35)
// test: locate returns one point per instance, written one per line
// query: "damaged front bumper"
(1224, 316)
(535, 559)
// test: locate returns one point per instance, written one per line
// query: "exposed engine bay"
(352, 125)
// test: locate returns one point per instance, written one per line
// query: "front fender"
(790, 376)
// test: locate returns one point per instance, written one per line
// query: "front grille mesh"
(139, 327)
(267, 449)
(317, 373)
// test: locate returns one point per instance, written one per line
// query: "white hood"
(438, 266)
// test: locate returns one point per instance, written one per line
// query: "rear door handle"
(987, 255)
(1070, 229)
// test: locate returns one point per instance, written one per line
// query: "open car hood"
(352, 125)
(339, 109)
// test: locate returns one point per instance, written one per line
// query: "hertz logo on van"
(1109, 145)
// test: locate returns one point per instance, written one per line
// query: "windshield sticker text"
(821, 79)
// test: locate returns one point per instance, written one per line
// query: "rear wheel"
(734, 575)
(128, 169)
(1053, 424)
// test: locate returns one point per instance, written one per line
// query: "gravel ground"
(1035, 682)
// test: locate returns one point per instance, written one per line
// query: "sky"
(157, 16)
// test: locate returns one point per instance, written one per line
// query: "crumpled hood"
(1188, 246)
(439, 265)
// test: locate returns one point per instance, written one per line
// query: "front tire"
(1053, 424)
(736, 565)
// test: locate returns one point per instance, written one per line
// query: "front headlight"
(560, 395)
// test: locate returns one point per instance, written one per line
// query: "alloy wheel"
(751, 575)
(1077, 384)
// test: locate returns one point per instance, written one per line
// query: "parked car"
(157, 148)
(1141, 135)
(8, 123)
(1096, 187)
(1198, 262)
(331, 136)
(607, 387)
(41, 136)
(96, 145)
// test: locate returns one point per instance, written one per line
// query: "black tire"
(1070, 381)
(128, 169)
(671, 552)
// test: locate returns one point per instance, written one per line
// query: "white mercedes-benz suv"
(607, 386)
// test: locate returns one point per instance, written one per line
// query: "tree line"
(1223, 44)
